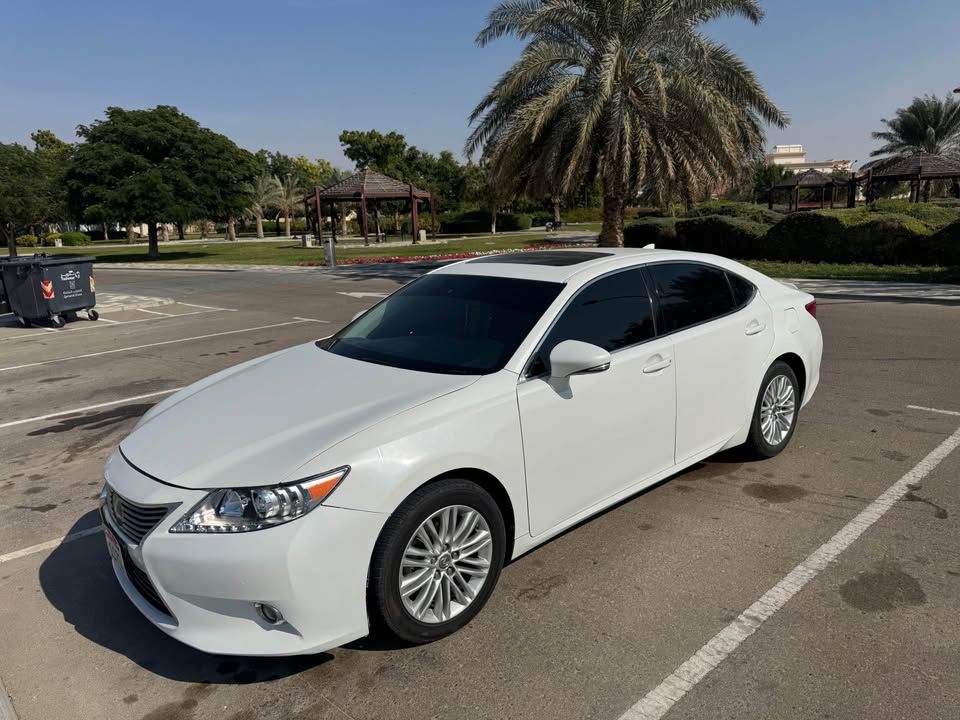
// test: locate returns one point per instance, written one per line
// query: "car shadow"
(78, 580)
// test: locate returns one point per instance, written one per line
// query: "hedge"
(840, 236)
(658, 231)
(70, 239)
(720, 235)
(747, 211)
(478, 221)
(26, 240)
(933, 216)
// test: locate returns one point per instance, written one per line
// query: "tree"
(157, 166)
(373, 149)
(31, 186)
(291, 196)
(928, 124)
(265, 192)
(630, 91)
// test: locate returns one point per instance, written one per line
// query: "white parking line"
(311, 320)
(95, 325)
(658, 701)
(87, 408)
(154, 312)
(148, 345)
(934, 410)
(208, 307)
(50, 544)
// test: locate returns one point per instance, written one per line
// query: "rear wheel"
(436, 561)
(775, 411)
(24, 322)
(93, 314)
(57, 321)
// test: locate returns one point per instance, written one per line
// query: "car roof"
(562, 265)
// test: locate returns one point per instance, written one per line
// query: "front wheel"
(775, 411)
(436, 561)
(57, 321)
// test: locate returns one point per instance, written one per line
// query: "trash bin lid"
(40, 259)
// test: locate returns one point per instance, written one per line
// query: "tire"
(93, 314)
(24, 322)
(767, 441)
(400, 544)
(57, 321)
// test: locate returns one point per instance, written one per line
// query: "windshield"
(453, 324)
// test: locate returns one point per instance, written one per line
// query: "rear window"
(743, 290)
(690, 293)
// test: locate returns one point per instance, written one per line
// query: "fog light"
(269, 613)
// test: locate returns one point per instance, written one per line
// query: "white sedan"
(380, 477)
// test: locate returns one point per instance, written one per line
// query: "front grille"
(142, 583)
(133, 519)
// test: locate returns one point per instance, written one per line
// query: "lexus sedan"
(379, 478)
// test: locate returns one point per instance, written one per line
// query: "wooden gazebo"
(916, 169)
(367, 185)
(807, 180)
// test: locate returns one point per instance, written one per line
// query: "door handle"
(656, 364)
(755, 327)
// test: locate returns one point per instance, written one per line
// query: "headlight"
(246, 509)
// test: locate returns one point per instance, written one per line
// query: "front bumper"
(314, 569)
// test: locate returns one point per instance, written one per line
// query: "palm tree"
(627, 90)
(265, 193)
(291, 195)
(928, 124)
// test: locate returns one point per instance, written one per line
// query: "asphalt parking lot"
(583, 627)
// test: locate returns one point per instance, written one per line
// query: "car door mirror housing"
(572, 357)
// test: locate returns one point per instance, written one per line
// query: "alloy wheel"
(445, 564)
(777, 410)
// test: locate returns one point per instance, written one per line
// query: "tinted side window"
(689, 294)
(613, 312)
(742, 290)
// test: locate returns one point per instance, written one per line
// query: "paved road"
(583, 627)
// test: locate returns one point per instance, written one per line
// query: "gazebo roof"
(808, 179)
(370, 184)
(924, 166)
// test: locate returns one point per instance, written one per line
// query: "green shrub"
(885, 238)
(72, 239)
(582, 215)
(947, 202)
(658, 231)
(26, 240)
(48, 239)
(478, 221)
(816, 236)
(941, 248)
(722, 235)
(934, 216)
(844, 236)
(747, 211)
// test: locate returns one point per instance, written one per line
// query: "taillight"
(811, 307)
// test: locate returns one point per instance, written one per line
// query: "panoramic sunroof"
(555, 258)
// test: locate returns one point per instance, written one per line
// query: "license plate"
(113, 546)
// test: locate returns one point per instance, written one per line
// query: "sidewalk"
(874, 289)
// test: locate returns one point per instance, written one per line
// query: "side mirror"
(572, 357)
(358, 315)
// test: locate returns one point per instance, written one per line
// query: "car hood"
(258, 422)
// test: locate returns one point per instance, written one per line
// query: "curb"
(6, 705)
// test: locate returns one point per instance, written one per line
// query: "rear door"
(722, 333)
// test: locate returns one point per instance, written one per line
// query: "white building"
(795, 157)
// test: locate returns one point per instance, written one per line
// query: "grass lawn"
(275, 253)
(292, 254)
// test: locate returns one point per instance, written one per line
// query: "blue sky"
(252, 70)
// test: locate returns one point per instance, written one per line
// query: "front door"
(588, 437)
